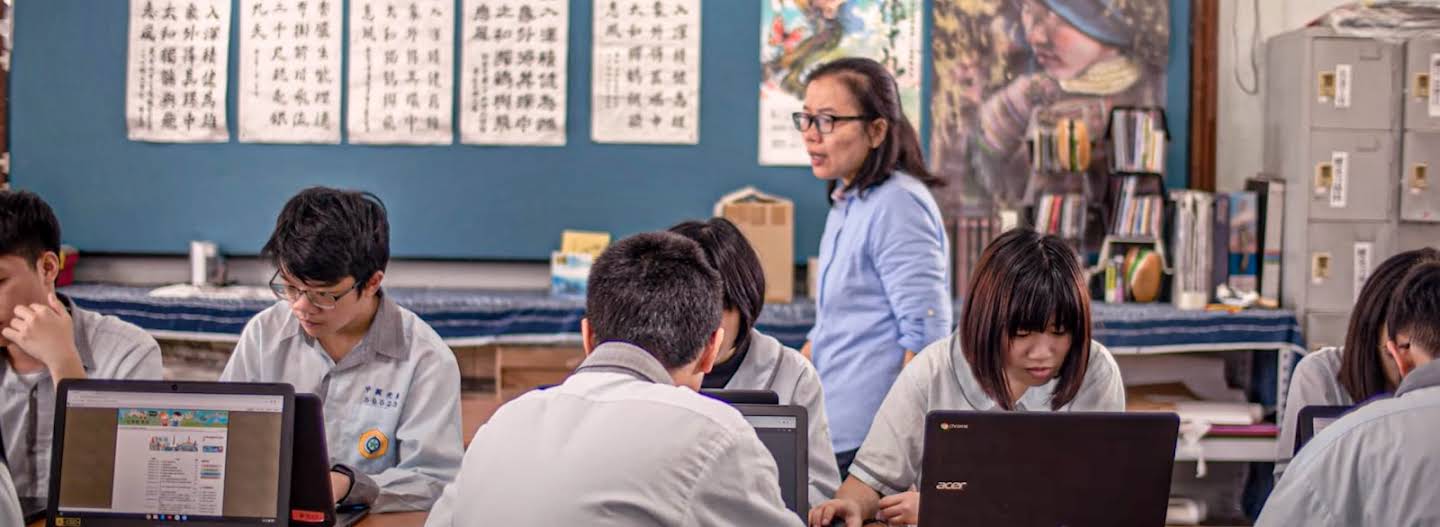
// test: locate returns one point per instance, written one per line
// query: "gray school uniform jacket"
(9, 502)
(392, 405)
(616, 445)
(1316, 382)
(769, 365)
(939, 378)
(1375, 466)
(109, 348)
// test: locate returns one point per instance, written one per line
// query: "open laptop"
(784, 431)
(311, 498)
(131, 453)
(742, 396)
(1047, 469)
(1312, 419)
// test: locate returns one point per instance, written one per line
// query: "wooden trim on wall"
(1204, 91)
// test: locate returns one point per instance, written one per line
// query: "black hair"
(1028, 282)
(1415, 308)
(656, 291)
(324, 235)
(1361, 373)
(879, 97)
(28, 226)
(741, 276)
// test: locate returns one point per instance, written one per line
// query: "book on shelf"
(1270, 208)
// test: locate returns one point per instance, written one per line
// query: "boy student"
(1376, 465)
(391, 387)
(626, 440)
(751, 360)
(44, 337)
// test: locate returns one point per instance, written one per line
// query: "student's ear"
(1403, 361)
(706, 362)
(373, 284)
(48, 265)
(587, 336)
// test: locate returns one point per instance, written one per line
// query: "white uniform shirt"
(109, 348)
(616, 445)
(1374, 466)
(392, 405)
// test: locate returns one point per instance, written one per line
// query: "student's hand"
(901, 509)
(339, 486)
(840, 509)
(46, 332)
(805, 350)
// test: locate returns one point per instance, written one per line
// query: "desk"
(395, 519)
(398, 519)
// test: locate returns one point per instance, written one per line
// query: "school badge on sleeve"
(373, 444)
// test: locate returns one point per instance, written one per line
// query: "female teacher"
(882, 282)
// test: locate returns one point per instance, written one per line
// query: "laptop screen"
(778, 433)
(186, 457)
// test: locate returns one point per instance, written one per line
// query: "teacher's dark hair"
(879, 98)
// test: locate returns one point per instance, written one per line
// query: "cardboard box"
(768, 222)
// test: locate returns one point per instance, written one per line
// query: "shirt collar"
(386, 335)
(80, 326)
(621, 357)
(1427, 376)
(1034, 398)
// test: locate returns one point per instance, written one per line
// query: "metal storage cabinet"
(1332, 132)
(1422, 84)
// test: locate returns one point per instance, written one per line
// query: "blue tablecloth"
(470, 316)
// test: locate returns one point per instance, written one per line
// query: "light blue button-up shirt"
(882, 290)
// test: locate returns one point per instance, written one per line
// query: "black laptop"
(1047, 469)
(311, 499)
(1313, 419)
(784, 429)
(151, 453)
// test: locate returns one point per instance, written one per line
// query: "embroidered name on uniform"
(380, 397)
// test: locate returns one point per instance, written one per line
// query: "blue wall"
(499, 203)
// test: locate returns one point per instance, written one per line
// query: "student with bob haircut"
(1023, 345)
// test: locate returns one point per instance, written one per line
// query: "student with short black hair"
(390, 385)
(45, 338)
(1023, 345)
(1362, 369)
(626, 440)
(751, 360)
(1376, 465)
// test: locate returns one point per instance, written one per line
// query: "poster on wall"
(512, 77)
(997, 63)
(645, 73)
(176, 66)
(797, 36)
(401, 72)
(289, 85)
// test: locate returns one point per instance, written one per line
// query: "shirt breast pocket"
(372, 437)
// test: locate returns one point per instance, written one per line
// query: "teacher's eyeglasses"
(823, 123)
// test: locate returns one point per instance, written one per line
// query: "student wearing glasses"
(390, 386)
(883, 274)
